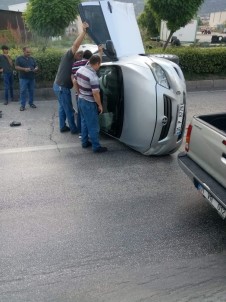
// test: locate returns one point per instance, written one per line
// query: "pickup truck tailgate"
(207, 148)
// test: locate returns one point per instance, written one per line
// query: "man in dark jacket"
(6, 64)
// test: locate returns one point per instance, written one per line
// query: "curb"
(40, 93)
(206, 85)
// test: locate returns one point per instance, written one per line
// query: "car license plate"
(180, 116)
(212, 201)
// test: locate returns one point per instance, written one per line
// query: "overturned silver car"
(144, 97)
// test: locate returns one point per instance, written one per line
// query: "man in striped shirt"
(81, 59)
(89, 103)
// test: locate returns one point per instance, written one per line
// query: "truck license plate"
(180, 116)
(212, 201)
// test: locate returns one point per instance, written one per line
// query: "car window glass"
(111, 85)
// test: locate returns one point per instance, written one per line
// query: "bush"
(48, 62)
(199, 60)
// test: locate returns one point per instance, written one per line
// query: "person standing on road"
(86, 55)
(63, 84)
(27, 67)
(89, 103)
(6, 64)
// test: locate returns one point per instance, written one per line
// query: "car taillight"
(188, 136)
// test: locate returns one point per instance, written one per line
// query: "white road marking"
(39, 148)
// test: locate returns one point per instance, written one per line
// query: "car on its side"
(144, 97)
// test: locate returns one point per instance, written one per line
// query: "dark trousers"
(8, 85)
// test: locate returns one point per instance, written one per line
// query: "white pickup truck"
(204, 159)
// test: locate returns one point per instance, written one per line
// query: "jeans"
(8, 85)
(78, 116)
(65, 109)
(89, 122)
(26, 85)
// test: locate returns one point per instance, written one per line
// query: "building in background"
(12, 28)
(217, 19)
(186, 34)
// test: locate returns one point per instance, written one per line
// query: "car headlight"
(159, 75)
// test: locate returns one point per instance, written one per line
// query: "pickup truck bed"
(216, 120)
(207, 145)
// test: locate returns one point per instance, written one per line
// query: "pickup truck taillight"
(188, 136)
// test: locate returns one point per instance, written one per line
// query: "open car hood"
(114, 25)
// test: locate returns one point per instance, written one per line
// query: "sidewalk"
(200, 85)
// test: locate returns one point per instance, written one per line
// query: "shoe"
(65, 129)
(14, 100)
(15, 124)
(74, 132)
(100, 150)
(22, 108)
(80, 136)
(6, 103)
(87, 145)
(33, 106)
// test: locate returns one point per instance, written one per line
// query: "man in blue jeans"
(6, 63)
(89, 103)
(27, 67)
(63, 84)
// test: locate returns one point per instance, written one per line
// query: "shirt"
(63, 76)
(87, 80)
(26, 62)
(77, 64)
(4, 63)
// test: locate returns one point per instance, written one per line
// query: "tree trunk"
(167, 41)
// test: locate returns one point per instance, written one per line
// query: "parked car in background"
(144, 97)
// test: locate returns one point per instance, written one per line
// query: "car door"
(114, 21)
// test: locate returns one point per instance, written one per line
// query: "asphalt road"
(117, 227)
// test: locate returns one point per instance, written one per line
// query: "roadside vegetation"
(176, 13)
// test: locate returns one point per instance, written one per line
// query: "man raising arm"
(63, 84)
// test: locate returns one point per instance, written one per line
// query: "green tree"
(148, 21)
(50, 17)
(176, 13)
